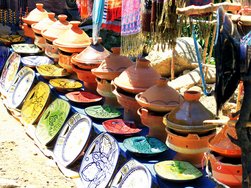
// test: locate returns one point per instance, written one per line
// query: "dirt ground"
(22, 164)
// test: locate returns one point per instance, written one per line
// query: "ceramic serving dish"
(144, 146)
(64, 84)
(132, 174)
(120, 127)
(35, 102)
(10, 39)
(177, 171)
(102, 112)
(52, 120)
(99, 162)
(83, 97)
(26, 49)
(51, 71)
(33, 61)
(73, 139)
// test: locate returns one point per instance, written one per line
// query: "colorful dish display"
(51, 71)
(24, 48)
(102, 112)
(33, 61)
(83, 97)
(177, 170)
(64, 84)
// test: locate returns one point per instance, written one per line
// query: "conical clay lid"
(35, 15)
(44, 23)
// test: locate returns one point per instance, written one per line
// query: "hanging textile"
(97, 16)
(84, 8)
(113, 10)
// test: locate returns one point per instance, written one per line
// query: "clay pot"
(154, 122)
(113, 65)
(190, 147)
(28, 32)
(64, 60)
(73, 40)
(134, 79)
(188, 117)
(160, 97)
(82, 65)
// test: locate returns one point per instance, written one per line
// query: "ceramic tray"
(52, 120)
(35, 102)
(99, 162)
(51, 71)
(33, 61)
(132, 174)
(72, 139)
(120, 127)
(64, 84)
(20, 87)
(83, 97)
(24, 48)
(144, 146)
(102, 112)
(7, 40)
(176, 170)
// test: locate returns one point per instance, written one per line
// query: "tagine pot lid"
(52, 120)
(103, 153)
(83, 97)
(44, 23)
(138, 77)
(113, 65)
(160, 97)
(189, 115)
(72, 139)
(35, 102)
(132, 174)
(36, 14)
(57, 28)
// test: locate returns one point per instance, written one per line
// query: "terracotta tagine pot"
(188, 117)
(190, 147)
(154, 121)
(160, 97)
(113, 65)
(134, 79)
(52, 33)
(42, 25)
(34, 16)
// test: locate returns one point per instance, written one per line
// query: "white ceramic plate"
(33, 61)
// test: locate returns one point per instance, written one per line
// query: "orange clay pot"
(82, 65)
(28, 32)
(65, 60)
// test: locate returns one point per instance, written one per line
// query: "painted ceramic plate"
(64, 84)
(147, 146)
(177, 170)
(35, 102)
(83, 97)
(24, 48)
(72, 139)
(51, 71)
(99, 162)
(33, 61)
(132, 174)
(52, 120)
(20, 87)
(102, 112)
(120, 127)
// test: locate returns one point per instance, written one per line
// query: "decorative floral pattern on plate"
(25, 48)
(65, 84)
(51, 71)
(102, 112)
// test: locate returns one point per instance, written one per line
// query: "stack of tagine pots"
(155, 102)
(89, 58)
(186, 133)
(42, 25)
(34, 16)
(109, 69)
(135, 79)
(72, 41)
(52, 33)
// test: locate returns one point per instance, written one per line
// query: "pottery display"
(160, 97)
(51, 71)
(134, 79)
(23, 82)
(73, 139)
(64, 84)
(26, 49)
(83, 97)
(102, 112)
(35, 102)
(33, 61)
(52, 120)
(64, 60)
(132, 174)
(178, 171)
(120, 127)
(144, 146)
(99, 161)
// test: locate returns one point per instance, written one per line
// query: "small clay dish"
(64, 84)
(83, 97)
(51, 71)
(102, 112)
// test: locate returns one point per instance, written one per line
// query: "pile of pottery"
(186, 133)
(109, 69)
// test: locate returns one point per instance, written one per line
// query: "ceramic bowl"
(51, 71)
(35, 102)
(132, 174)
(102, 112)
(144, 146)
(83, 97)
(52, 120)
(8, 40)
(73, 139)
(26, 49)
(99, 161)
(33, 61)
(64, 84)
